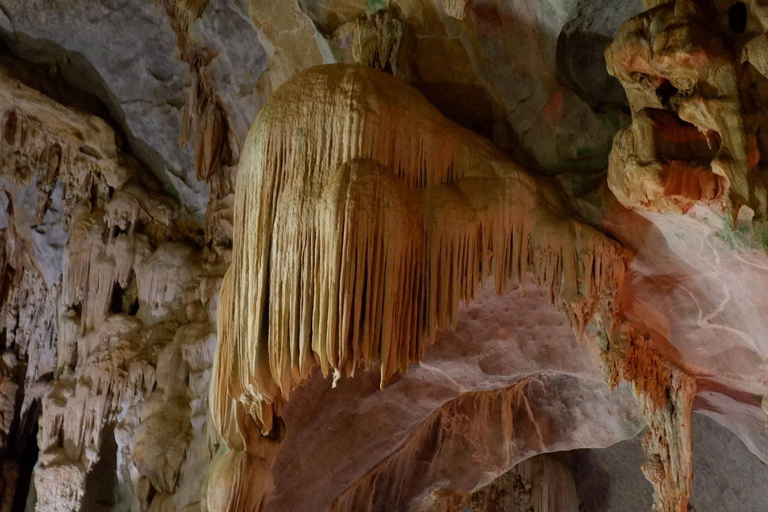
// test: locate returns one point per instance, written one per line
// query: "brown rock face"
(696, 101)
(419, 282)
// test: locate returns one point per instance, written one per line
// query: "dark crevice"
(94, 195)
(737, 17)
(101, 486)
(116, 303)
(151, 493)
(665, 92)
(676, 139)
(27, 458)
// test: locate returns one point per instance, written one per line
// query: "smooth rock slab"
(338, 436)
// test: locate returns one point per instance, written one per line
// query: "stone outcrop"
(697, 109)
(106, 313)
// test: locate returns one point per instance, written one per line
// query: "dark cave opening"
(101, 489)
(27, 458)
(123, 301)
(665, 92)
(134, 307)
(116, 302)
(737, 17)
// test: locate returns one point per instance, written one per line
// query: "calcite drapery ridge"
(344, 256)
(423, 171)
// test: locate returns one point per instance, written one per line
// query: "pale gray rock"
(124, 53)
(580, 46)
(703, 286)
(226, 28)
(728, 477)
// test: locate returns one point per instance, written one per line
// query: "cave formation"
(334, 255)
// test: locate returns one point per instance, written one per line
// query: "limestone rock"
(125, 53)
(578, 321)
(689, 141)
(459, 44)
(113, 336)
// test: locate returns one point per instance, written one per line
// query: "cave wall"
(122, 128)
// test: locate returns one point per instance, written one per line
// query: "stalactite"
(668, 447)
(131, 281)
(28, 148)
(205, 122)
(471, 419)
(27, 321)
(382, 41)
(539, 484)
(493, 430)
(362, 219)
(666, 393)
